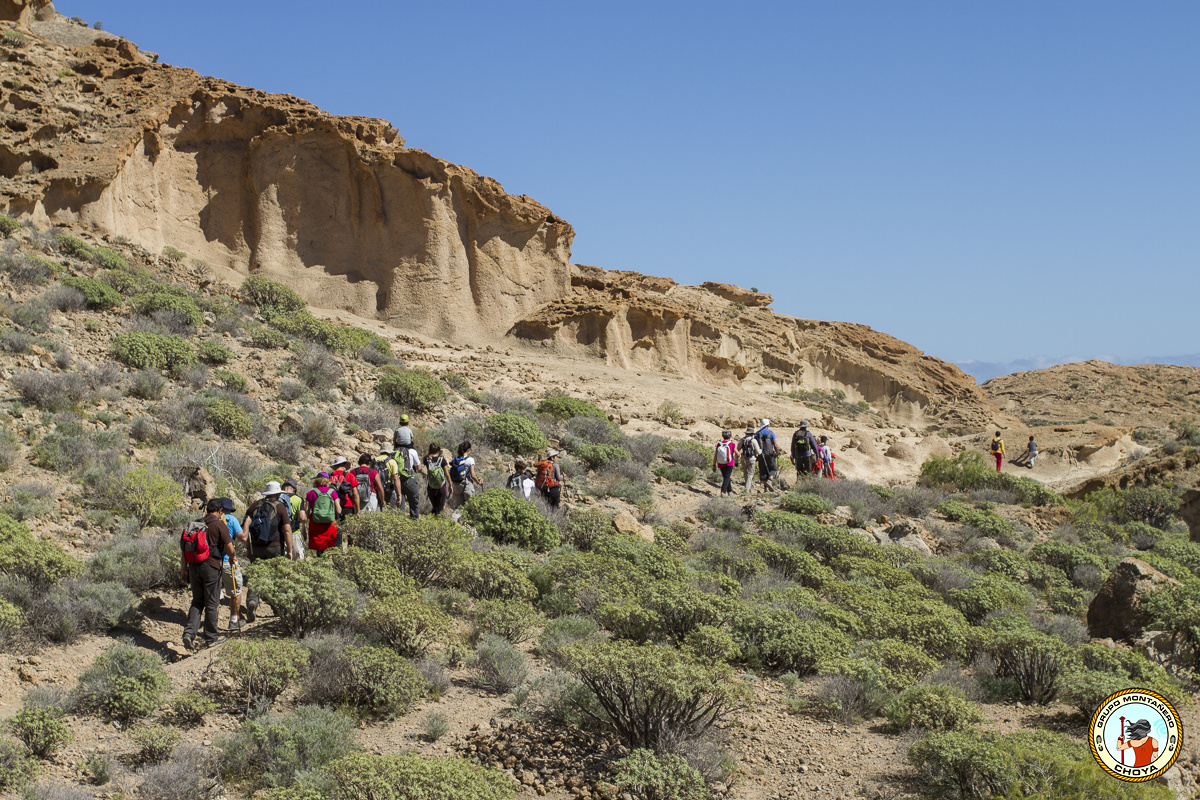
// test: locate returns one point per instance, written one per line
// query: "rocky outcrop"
(1189, 509)
(25, 12)
(1116, 612)
(259, 183)
(1182, 467)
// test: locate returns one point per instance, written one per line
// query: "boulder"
(1189, 509)
(627, 524)
(908, 533)
(292, 423)
(196, 482)
(1116, 611)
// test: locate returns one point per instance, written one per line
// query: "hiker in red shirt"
(320, 510)
(342, 480)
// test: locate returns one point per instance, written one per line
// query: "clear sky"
(986, 180)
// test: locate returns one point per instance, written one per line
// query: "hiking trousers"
(553, 495)
(410, 492)
(437, 499)
(726, 479)
(206, 600)
(999, 460)
(748, 475)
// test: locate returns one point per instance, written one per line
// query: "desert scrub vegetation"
(276, 749)
(564, 408)
(270, 296)
(499, 514)
(123, 683)
(98, 295)
(215, 353)
(143, 350)
(515, 433)
(306, 595)
(338, 338)
(410, 389)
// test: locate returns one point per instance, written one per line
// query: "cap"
(292, 483)
(273, 487)
(337, 462)
(227, 504)
(824, 438)
(766, 422)
(404, 417)
(551, 453)
(322, 474)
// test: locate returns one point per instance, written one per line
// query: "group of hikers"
(759, 454)
(284, 523)
(1030, 454)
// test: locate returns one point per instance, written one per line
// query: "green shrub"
(124, 281)
(42, 729)
(419, 391)
(16, 767)
(676, 473)
(305, 595)
(514, 433)
(499, 514)
(142, 350)
(109, 258)
(275, 749)
(140, 564)
(169, 298)
(145, 494)
(1176, 609)
(11, 620)
(375, 681)
(785, 522)
(74, 247)
(583, 527)
(567, 407)
(497, 665)
(190, 708)
(598, 456)
(488, 576)
(213, 352)
(154, 743)
(269, 339)
(271, 297)
(406, 623)
(963, 763)
(263, 668)
(99, 295)
(649, 692)
(1033, 660)
(515, 620)
(711, 645)
(338, 338)
(8, 226)
(933, 708)
(378, 777)
(563, 631)
(1152, 505)
(986, 594)
(123, 683)
(232, 381)
(228, 419)
(806, 503)
(688, 453)
(649, 776)
(793, 563)
(41, 562)
(173, 255)
(373, 573)
(989, 523)
(428, 550)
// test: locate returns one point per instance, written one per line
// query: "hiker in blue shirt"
(768, 469)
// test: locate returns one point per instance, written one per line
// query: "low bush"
(190, 774)
(232, 381)
(647, 775)
(148, 562)
(147, 385)
(1032, 660)
(338, 338)
(275, 749)
(515, 433)
(488, 576)
(806, 503)
(109, 258)
(316, 367)
(598, 456)
(123, 683)
(988, 594)
(428, 550)
(145, 494)
(64, 298)
(16, 767)
(270, 296)
(497, 666)
(190, 708)
(676, 473)
(582, 527)
(42, 729)
(52, 392)
(1176, 609)
(40, 562)
(213, 352)
(778, 639)
(497, 513)
(142, 350)
(405, 623)
(170, 299)
(560, 632)
(98, 295)
(563, 407)
(933, 708)
(268, 339)
(688, 453)
(8, 226)
(154, 743)
(305, 595)
(403, 777)
(1153, 505)
(418, 391)
(375, 574)
(374, 681)
(263, 669)
(649, 693)
(515, 620)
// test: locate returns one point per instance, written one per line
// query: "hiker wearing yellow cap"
(402, 437)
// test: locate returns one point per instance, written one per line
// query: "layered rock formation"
(1117, 612)
(100, 137)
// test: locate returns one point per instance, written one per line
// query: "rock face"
(1116, 611)
(24, 12)
(1190, 511)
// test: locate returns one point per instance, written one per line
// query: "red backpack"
(194, 543)
(545, 475)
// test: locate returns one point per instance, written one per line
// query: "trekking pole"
(1121, 740)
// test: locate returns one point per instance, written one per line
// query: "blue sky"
(988, 181)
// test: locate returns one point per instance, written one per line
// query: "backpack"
(262, 525)
(194, 543)
(324, 511)
(746, 445)
(437, 473)
(290, 503)
(995, 445)
(545, 475)
(364, 485)
(385, 477)
(516, 482)
(766, 443)
(724, 454)
(342, 486)
(458, 469)
(801, 444)
(406, 465)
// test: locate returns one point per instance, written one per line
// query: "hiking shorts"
(231, 579)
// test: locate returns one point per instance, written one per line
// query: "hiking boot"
(216, 641)
(236, 627)
(189, 642)
(249, 606)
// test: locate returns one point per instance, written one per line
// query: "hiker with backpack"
(549, 479)
(827, 459)
(998, 450)
(346, 485)
(750, 450)
(389, 475)
(321, 510)
(768, 468)
(408, 491)
(202, 545)
(293, 502)
(231, 573)
(268, 526)
(370, 485)
(437, 478)
(805, 449)
(462, 476)
(521, 482)
(725, 459)
(402, 437)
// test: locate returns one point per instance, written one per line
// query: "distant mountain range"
(983, 371)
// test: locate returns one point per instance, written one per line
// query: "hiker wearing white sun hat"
(768, 469)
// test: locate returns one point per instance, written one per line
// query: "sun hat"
(803, 423)
(227, 504)
(750, 430)
(337, 462)
(386, 448)
(766, 422)
(273, 487)
(551, 453)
